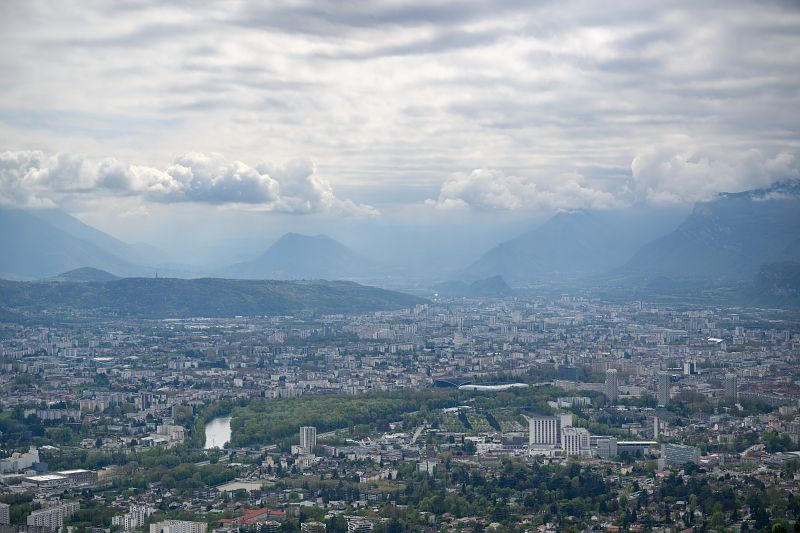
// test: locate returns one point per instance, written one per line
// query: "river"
(218, 432)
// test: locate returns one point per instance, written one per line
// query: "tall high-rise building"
(663, 388)
(679, 455)
(5, 515)
(575, 441)
(544, 430)
(612, 387)
(546, 433)
(731, 388)
(308, 439)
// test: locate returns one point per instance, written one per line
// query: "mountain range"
(568, 245)
(726, 240)
(44, 243)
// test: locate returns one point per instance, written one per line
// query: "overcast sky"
(363, 110)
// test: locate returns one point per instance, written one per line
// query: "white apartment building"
(135, 517)
(178, 526)
(53, 517)
(545, 433)
(575, 441)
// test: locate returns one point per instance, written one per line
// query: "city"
(399, 266)
(400, 419)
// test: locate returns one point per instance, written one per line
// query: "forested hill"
(206, 297)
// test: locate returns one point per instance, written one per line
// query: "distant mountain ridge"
(570, 244)
(159, 298)
(295, 256)
(33, 247)
(728, 238)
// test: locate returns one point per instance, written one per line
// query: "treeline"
(269, 421)
(264, 422)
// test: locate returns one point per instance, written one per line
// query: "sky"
(175, 122)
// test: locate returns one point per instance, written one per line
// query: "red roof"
(253, 516)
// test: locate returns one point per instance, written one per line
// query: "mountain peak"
(297, 256)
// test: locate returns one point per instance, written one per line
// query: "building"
(308, 439)
(47, 482)
(53, 517)
(134, 518)
(607, 447)
(178, 526)
(270, 526)
(19, 461)
(731, 388)
(358, 525)
(612, 385)
(312, 527)
(79, 477)
(634, 447)
(575, 441)
(5, 516)
(663, 388)
(679, 455)
(545, 433)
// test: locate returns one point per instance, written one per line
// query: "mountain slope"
(570, 244)
(35, 248)
(208, 297)
(296, 256)
(778, 285)
(132, 253)
(728, 238)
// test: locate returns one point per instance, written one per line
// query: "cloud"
(394, 95)
(34, 179)
(681, 172)
(491, 189)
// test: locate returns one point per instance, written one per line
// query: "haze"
(397, 128)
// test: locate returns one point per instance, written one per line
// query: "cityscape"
(150, 422)
(399, 266)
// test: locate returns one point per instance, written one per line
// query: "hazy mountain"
(777, 284)
(209, 297)
(86, 274)
(494, 287)
(568, 245)
(140, 254)
(296, 256)
(728, 238)
(35, 248)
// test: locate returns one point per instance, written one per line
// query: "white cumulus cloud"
(491, 189)
(35, 179)
(677, 172)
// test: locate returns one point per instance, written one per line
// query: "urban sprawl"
(537, 415)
